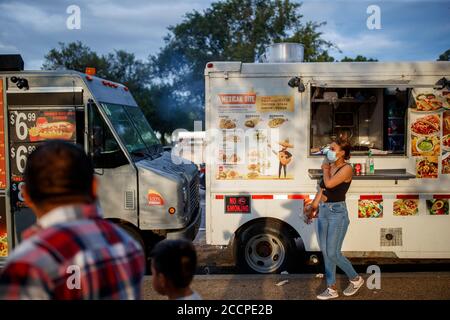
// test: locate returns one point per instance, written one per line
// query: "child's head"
(173, 265)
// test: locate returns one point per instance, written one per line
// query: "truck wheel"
(135, 235)
(264, 247)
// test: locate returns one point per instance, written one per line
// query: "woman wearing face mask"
(333, 218)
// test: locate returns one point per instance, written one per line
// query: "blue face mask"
(331, 156)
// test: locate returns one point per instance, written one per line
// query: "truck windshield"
(133, 129)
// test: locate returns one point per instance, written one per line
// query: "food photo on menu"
(52, 130)
(3, 242)
(438, 206)
(406, 207)
(370, 208)
(426, 125)
(446, 163)
(427, 100)
(427, 167)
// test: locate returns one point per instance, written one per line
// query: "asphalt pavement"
(218, 279)
(393, 286)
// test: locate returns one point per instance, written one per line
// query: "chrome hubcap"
(264, 253)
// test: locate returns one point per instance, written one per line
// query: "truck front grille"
(194, 198)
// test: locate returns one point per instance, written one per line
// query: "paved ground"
(394, 286)
(401, 279)
(219, 260)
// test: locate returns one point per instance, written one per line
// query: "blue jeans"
(333, 223)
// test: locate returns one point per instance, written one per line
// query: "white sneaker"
(353, 287)
(328, 294)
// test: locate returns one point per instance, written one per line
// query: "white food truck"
(141, 188)
(266, 125)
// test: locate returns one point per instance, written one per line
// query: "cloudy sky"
(410, 30)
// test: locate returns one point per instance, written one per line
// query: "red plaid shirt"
(73, 253)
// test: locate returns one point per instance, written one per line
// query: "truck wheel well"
(150, 238)
(283, 225)
(123, 222)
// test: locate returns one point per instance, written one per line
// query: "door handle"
(99, 172)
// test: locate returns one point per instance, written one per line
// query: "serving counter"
(380, 174)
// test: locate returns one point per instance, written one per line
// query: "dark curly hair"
(345, 145)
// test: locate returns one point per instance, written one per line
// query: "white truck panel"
(422, 236)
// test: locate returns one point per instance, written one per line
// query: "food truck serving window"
(371, 118)
(132, 127)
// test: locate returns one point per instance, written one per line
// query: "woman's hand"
(309, 213)
(326, 167)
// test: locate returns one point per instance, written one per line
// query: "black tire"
(260, 247)
(135, 234)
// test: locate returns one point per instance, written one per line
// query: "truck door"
(117, 177)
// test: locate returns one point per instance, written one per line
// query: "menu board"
(2, 141)
(430, 131)
(35, 126)
(28, 129)
(446, 142)
(3, 230)
(255, 140)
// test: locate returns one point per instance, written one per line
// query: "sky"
(408, 31)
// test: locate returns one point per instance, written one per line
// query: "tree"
(316, 48)
(120, 66)
(230, 30)
(358, 58)
(445, 56)
(75, 56)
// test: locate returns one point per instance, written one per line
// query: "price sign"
(17, 200)
(18, 154)
(33, 126)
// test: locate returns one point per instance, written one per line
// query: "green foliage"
(170, 85)
(445, 56)
(358, 58)
(232, 30)
(75, 56)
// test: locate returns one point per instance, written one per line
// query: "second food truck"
(142, 188)
(266, 126)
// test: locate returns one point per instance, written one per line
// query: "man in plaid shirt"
(71, 252)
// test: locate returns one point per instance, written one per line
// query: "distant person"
(173, 267)
(333, 218)
(71, 252)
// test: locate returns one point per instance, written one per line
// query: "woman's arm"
(316, 201)
(343, 175)
(310, 210)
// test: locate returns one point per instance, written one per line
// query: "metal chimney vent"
(284, 52)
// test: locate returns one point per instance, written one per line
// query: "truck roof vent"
(283, 52)
(11, 62)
